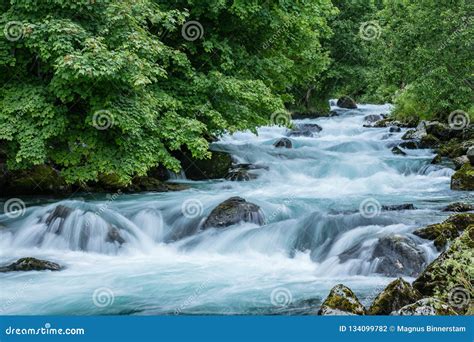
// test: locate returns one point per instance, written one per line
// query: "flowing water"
(321, 202)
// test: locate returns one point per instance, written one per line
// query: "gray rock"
(460, 161)
(394, 129)
(232, 211)
(459, 207)
(346, 102)
(113, 236)
(283, 142)
(394, 207)
(372, 118)
(398, 256)
(470, 155)
(56, 218)
(426, 307)
(305, 130)
(398, 150)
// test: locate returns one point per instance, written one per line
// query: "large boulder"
(459, 207)
(398, 255)
(463, 179)
(341, 301)
(372, 118)
(460, 161)
(396, 295)
(346, 102)
(426, 307)
(233, 211)
(450, 272)
(283, 142)
(439, 130)
(305, 130)
(31, 264)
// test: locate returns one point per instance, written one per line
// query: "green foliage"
(126, 66)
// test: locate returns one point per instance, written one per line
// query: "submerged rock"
(232, 211)
(305, 130)
(426, 307)
(113, 236)
(398, 255)
(463, 179)
(410, 145)
(239, 175)
(372, 118)
(56, 218)
(31, 264)
(449, 272)
(341, 301)
(394, 129)
(398, 150)
(283, 142)
(394, 207)
(346, 102)
(459, 207)
(396, 295)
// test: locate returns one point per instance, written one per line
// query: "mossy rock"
(463, 179)
(31, 264)
(346, 102)
(426, 307)
(201, 169)
(233, 211)
(429, 141)
(452, 269)
(452, 149)
(341, 299)
(39, 180)
(396, 295)
(459, 207)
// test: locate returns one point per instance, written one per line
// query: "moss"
(42, 179)
(427, 307)
(453, 269)
(429, 141)
(396, 295)
(342, 298)
(463, 179)
(452, 149)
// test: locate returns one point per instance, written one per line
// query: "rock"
(407, 206)
(232, 211)
(113, 236)
(397, 150)
(438, 130)
(31, 264)
(394, 129)
(305, 130)
(283, 142)
(346, 102)
(372, 118)
(447, 230)
(417, 133)
(429, 141)
(39, 180)
(240, 174)
(426, 307)
(440, 233)
(341, 301)
(396, 295)
(410, 145)
(398, 255)
(147, 184)
(449, 271)
(459, 207)
(201, 169)
(463, 179)
(460, 161)
(470, 155)
(59, 215)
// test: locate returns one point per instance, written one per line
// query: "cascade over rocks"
(346, 102)
(397, 256)
(341, 301)
(31, 264)
(396, 295)
(305, 130)
(232, 211)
